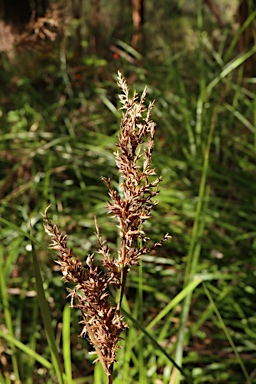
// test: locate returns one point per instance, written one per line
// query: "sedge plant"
(131, 205)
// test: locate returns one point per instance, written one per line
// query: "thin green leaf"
(8, 319)
(25, 349)
(66, 343)
(157, 345)
(25, 234)
(45, 312)
(226, 331)
(174, 302)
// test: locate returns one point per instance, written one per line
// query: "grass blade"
(174, 302)
(66, 343)
(229, 67)
(8, 319)
(25, 349)
(228, 336)
(157, 345)
(25, 234)
(46, 318)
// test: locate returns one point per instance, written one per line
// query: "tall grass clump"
(99, 289)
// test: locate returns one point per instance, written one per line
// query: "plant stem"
(124, 273)
(110, 375)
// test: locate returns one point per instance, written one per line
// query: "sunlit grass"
(55, 148)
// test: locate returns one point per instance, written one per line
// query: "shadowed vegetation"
(59, 118)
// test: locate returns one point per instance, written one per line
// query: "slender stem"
(110, 375)
(123, 284)
(124, 269)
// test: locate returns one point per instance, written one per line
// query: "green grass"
(193, 301)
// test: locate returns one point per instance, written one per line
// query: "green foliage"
(59, 122)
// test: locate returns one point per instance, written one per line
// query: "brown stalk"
(102, 321)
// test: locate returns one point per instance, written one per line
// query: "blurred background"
(59, 121)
